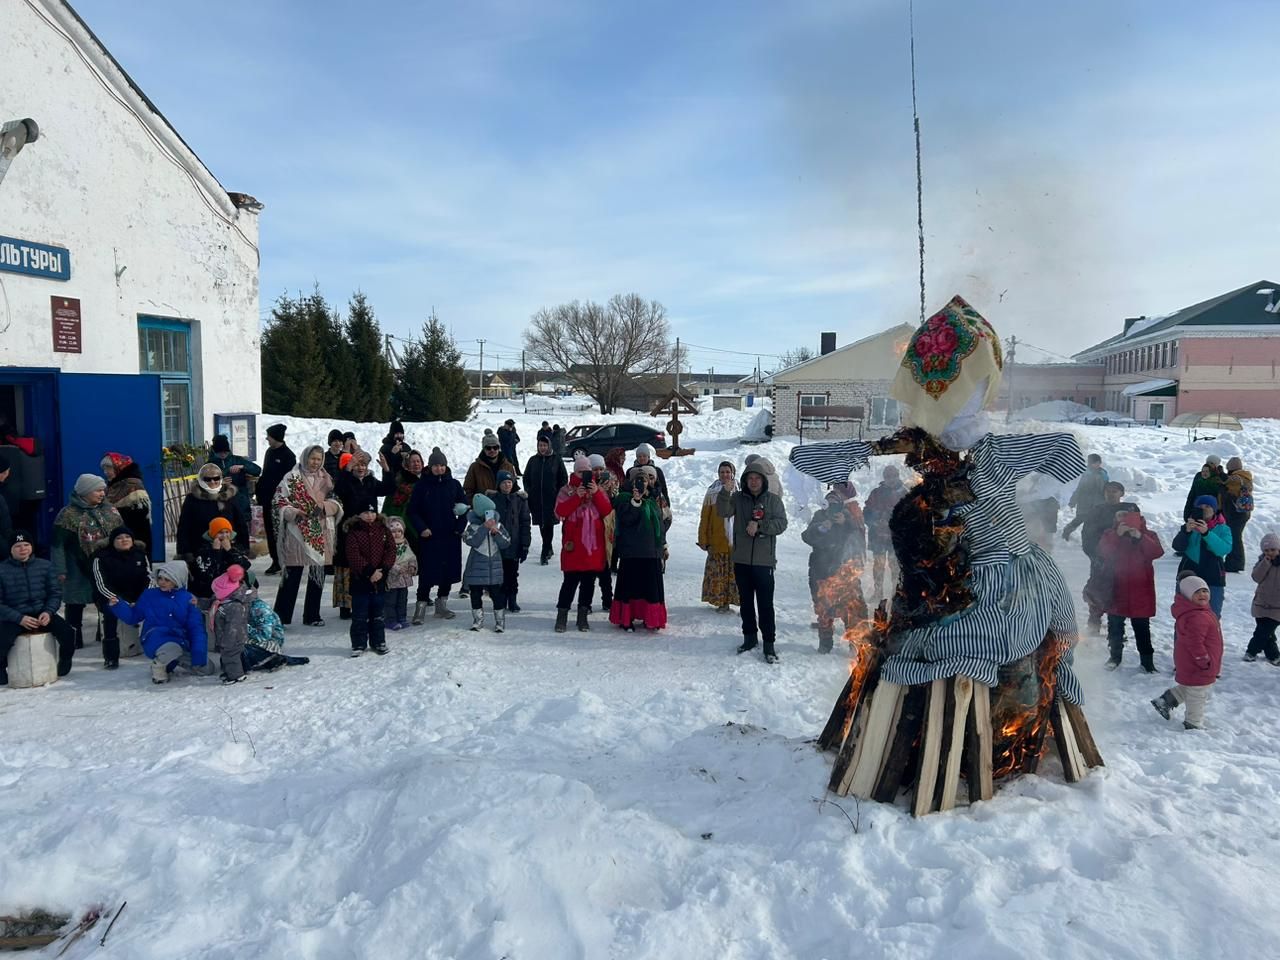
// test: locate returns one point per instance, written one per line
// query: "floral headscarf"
(948, 358)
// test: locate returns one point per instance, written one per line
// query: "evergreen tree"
(339, 358)
(371, 401)
(432, 384)
(295, 376)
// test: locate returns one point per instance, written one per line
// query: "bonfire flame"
(1020, 713)
(840, 598)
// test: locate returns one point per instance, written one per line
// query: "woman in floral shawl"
(307, 517)
(80, 529)
(715, 536)
(128, 494)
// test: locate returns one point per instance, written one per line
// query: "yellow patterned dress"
(715, 535)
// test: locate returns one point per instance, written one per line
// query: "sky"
(750, 165)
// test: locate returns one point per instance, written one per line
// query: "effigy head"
(951, 367)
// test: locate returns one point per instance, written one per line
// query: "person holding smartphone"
(581, 506)
(1204, 542)
(759, 518)
(640, 595)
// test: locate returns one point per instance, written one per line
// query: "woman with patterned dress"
(950, 370)
(715, 536)
(307, 516)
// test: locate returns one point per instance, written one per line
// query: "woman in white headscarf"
(306, 516)
(715, 536)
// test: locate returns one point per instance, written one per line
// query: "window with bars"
(812, 400)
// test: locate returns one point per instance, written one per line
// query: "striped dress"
(1019, 592)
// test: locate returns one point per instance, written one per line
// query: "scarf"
(306, 493)
(586, 515)
(713, 494)
(91, 525)
(653, 514)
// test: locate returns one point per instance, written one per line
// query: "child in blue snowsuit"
(173, 631)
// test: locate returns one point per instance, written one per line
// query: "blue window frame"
(164, 348)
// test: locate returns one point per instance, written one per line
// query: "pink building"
(1027, 384)
(1219, 356)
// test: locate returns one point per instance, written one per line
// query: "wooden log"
(26, 943)
(1084, 736)
(841, 770)
(959, 696)
(930, 748)
(1073, 765)
(833, 733)
(979, 745)
(901, 750)
(882, 720)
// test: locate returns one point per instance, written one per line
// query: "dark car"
(601, 440)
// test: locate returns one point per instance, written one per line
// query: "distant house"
(1217, 356)
(714, 384)
(642, 392)
(496, 386)
(1027, 384)
(857, 375)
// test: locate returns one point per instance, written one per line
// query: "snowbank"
(542, 795)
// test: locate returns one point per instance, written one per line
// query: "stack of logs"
(891, 737)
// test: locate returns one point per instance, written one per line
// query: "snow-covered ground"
(599, 795)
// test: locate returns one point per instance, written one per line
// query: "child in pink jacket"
(1197, 653)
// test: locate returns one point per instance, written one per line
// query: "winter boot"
(1163, 704)
(825, 637)
(1250, 658)
(1148, 662)
(464, 591)
(1117, 653)
(111, 665)
(562, 620)
(159, 672)
(770, 656)
(511, 603)
(477, 619)
(499, 620)
(344, 613)
(582, 618)
(748, 643)
(442, 609)
(419, 613)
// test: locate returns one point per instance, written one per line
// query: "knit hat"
(504, 476)
(490, 441)
(1234, 464)
(24, 536)
(87, 483)
(437, 458)
(644, 450)
(225, 585)
(596, 461)
(1213, 460)
(348, 435)
(175, 571)
(345, 459)
(220, 444)
(648, 470)
(396, 427)
(509, 422)
(1206, 500)
(480, 504)
(581, 463)
(335, 436)
(1189, 585)
(220, 525)
(276, 431)
(121, 531)
(1271, 541)
(365, 505)
(394, 524)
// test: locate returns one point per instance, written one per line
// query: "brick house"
(1218, 356)
(859, 374)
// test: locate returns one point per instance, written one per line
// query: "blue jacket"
(167, 618)
(28, 589)
(1203, 555)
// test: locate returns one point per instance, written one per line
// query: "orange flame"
(1019, 714)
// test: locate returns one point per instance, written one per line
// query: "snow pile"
(537, 795)
(1053, 411)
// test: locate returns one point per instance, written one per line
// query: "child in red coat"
(582, 506)
(1129, 551)
(1197, 653)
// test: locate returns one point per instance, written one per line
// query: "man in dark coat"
(278, 461)
(544, 475)
(394, 449)
(337, 447)
(29, 601)
(509, 439)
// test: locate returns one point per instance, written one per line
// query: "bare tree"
(600, 347)
(795, 355)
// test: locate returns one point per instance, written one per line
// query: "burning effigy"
(968, 670)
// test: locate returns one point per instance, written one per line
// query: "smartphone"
(491, 514)
(586, 476)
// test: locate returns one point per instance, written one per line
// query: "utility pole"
(524, 388)
(1013, 353)
(481, 342)
(757, 378)
(677, 364)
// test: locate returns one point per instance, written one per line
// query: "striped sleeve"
(1008, 458)
(831, 462)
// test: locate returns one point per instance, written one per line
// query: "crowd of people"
(327, 515)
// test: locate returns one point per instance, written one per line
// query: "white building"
(114, 234)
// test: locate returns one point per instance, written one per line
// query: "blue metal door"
(113, 412)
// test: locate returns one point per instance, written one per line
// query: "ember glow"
(1020, 712)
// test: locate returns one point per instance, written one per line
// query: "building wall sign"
(35, 259)
(66, 324)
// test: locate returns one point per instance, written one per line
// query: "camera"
(757, 514)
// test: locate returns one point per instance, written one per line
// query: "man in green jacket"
(236, 469)
(758, 519)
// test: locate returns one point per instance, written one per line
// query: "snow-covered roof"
(1147, 386)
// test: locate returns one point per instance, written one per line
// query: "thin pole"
(915, 118)
(677, 364)
(1013, 353)
(524, 387)
(481, 342)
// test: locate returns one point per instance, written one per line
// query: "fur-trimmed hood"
(129, 491)
(228, 492)
(351, 521)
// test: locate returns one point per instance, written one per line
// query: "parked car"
(602, 439)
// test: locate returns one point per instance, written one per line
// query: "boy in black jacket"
(120, 570)
(513, 513)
